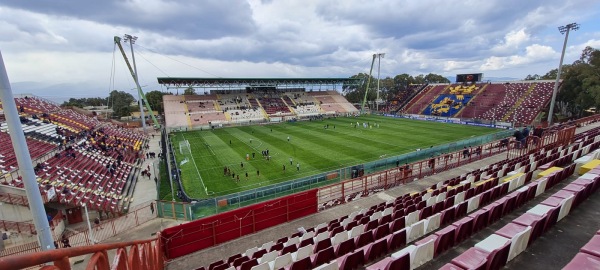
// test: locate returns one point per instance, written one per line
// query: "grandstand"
(518, 102)
(79, 161)
(250, 105)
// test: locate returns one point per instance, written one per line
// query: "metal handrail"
(143, 254)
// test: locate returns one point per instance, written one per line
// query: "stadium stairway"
(481, 90)
(519, 102)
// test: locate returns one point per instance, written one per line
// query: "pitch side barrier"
(489, 146)
(462, 121)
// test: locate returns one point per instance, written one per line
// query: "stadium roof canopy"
(174, 82)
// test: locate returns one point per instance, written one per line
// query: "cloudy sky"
(63, 48)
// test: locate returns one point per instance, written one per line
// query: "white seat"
(353, 215)
(387, 211)
(339, 237)
(375, 216)
(473, 203)
(303, 252)
(411, 218)
(250, 251)
(307, 235)
(440, 197)
(459, 197)
(281, 261)
(321, 236)
(422, 254)
(492, 243)
(415, 231)
(356, 231)
(426, 196)
(292, 241)
(267, 257)
(541, 186)
(267, 245)
(519, 243)
(320, 226)
(565, 207)
(540, 210)
(432, 223)
(431, 201)
(262, 266)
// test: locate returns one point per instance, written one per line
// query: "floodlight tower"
(131, 39)
(379, 56)
(563, 30)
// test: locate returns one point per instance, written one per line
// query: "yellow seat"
(549, 171)
(588, 166)
(483, 182)
(512, 177)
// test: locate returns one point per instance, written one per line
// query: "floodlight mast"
(131, 39)
(563, 30)
(133, 72)
(379, 56)
(368, 83)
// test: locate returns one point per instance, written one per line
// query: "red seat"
(375, 250)
(397, 240)
(301, 264)
(363, 239)
(536, 222)
(381, 231)
(445, 239)
(593, 246)
(480, 219)
(344, 247)
(583, 261)
(464, 229)
(471, 259)
(389, 263)
(352, 260)
(322, 256)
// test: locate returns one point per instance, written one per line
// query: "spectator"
(519, 137)
(65, 241)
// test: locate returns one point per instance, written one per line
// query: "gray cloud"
(287, 38)
(183, 19)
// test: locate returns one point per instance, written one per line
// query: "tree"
(580, 88)
(189, 91)
(155, 100)
(121, 103)
(533, 77)
(355, 93)
(435, 78)
(83, 102)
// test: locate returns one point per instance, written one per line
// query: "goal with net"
(184, 148)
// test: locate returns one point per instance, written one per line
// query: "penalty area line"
(198, 171)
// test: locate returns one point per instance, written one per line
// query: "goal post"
(184, 148)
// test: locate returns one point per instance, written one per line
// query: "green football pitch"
(312, 147)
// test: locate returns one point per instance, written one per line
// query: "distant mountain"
(59, 93)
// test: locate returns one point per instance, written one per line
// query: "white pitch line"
(197, 171)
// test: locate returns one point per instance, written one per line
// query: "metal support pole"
(17, 137)
(563, 29)
(87, 218)
(131, 41)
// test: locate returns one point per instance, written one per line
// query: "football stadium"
(295, 173)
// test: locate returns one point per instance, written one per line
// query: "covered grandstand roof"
(228, 82)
